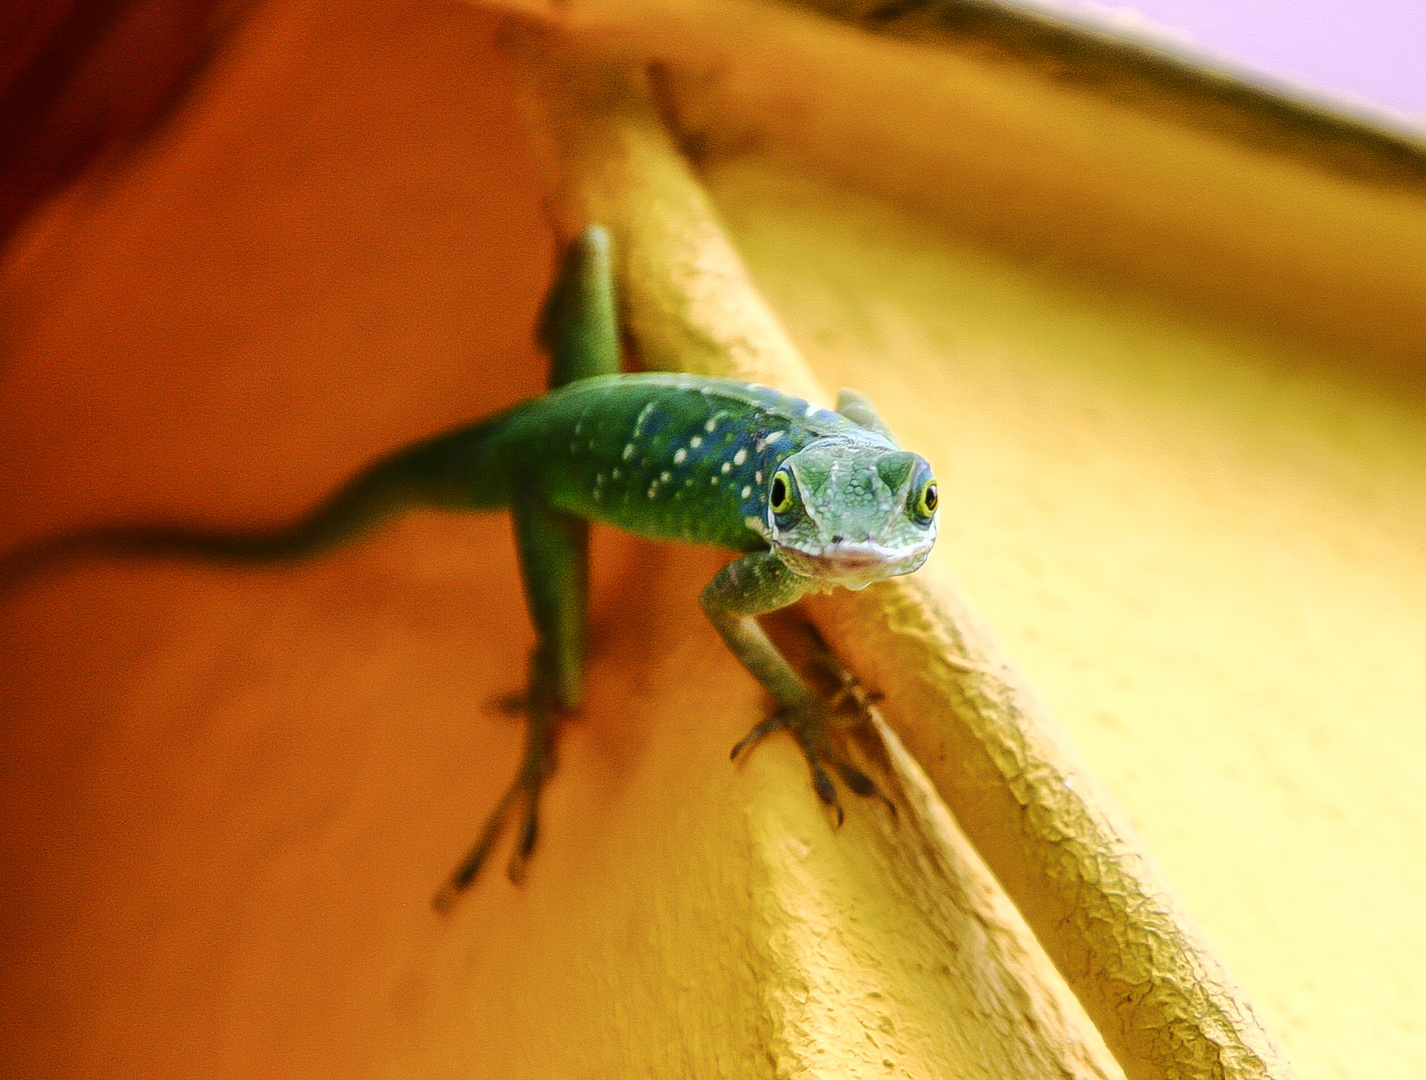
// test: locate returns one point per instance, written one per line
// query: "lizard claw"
(516, 704)
(859, 783)
(537, 766)
(826, 790)
(810, 727)
(469, 867)
(848, 688)
(766, 727)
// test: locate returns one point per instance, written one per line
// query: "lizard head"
(849, 513)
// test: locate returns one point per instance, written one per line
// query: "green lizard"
(812, 498)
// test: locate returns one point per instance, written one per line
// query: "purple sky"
(1373, 49)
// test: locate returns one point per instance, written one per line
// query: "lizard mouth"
(857, 565)
(854, 558)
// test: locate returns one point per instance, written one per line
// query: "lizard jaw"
(856, 565)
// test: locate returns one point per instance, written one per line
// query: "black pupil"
(779, 491)
(931, 497)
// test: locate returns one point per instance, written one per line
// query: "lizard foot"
(811, 727)
(524, 793)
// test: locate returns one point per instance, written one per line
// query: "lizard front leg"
(754, 585)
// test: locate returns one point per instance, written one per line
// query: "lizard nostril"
(837, 538)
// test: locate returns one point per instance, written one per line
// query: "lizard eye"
(927, 499)
(780, 498)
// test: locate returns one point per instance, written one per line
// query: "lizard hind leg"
(579, 329)
(554, 558)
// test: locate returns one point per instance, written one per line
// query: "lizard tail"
(366, 501)
(462, 469)
(353, 510)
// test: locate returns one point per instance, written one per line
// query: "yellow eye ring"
(780, 496)
(927, 499)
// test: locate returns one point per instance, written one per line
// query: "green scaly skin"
(814, 499)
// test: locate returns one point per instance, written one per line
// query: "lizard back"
(680, 457)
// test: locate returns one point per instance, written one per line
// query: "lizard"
(809, 498)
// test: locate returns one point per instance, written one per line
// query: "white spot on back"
(711, 426)
(740, 457)
(747, 491)
(726, 469)
(680, 456)
(628, 451)
(665, 477)
(758, 476)
(696, 441)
